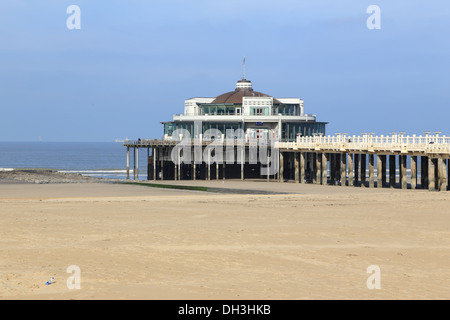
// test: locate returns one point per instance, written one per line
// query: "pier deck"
(395, 161)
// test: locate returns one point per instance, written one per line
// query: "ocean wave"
(6, 169)
(105, 173)
(99, 171)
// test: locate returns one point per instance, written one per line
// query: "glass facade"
(289, 130)
(222, 126)
(219, 109)
(230, 109)
(170, 127)
(286, 109)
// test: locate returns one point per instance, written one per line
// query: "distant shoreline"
(51, 176)
(45, 176)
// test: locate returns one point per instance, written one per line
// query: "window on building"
(168, 129)
(260, 111)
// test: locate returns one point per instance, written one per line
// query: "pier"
(393, 161)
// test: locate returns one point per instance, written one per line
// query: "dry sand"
(133, 242)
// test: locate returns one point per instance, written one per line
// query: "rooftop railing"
(190, 114)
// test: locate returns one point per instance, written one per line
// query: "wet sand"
(135, 242)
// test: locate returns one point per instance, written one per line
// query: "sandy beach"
(295, 242)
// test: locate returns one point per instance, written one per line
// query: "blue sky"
(134, 62)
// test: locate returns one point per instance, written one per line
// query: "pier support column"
(363, 169)
(337, 177)
(313, 169)
(424, 172)
(154, 163)
(431, 174)
(332, 160)
(128, 163)
(351, 175)
(357, 169)
(380, 171)
(157, 164)
(404, 171)
(413, 172)
(392, 170)
(134, 163)
(178, 165)
(343, 168)
(371, 170)
(442, 163)
(208, 165)
(384, 170)
(281, 171)
(318, 172)
(149, 165)
(175, 167)
(324, 175)
(161, 158)
(302, 167)
(137, 163)
(242, 162)
(448, 174)
(335, 167)
(296, 167)
(224, 170)
(217, 170)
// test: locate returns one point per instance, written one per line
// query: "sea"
(94, 159)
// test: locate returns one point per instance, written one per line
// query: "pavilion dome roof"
(243, 89)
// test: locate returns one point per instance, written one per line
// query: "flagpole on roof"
(243, 64)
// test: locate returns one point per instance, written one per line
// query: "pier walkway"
(373, 161)
(394, 161)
